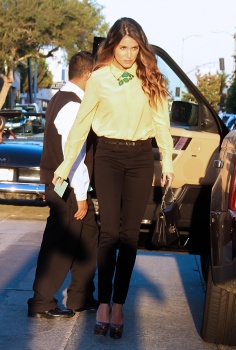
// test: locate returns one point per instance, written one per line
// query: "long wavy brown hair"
(147, 70)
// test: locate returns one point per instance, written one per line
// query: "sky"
(195, 33)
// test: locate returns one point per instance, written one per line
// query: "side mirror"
(184, 113)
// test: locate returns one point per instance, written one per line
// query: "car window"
(183, 109)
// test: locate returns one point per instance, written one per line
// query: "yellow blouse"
(118, 111)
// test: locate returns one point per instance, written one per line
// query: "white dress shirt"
(78, 176)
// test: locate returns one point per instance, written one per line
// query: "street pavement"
(163, 310)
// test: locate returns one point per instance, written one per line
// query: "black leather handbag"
(166, 229)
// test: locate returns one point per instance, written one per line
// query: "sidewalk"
(163, 310)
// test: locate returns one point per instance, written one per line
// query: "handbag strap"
(163, 203)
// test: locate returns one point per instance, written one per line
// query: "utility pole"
(35, 78)
(234, 56)
(30, 79)
(222, 82)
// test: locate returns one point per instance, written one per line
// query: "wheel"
(219, 318)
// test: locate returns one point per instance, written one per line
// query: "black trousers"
(67, 245)
(123, 179)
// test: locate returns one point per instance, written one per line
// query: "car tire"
(219, 318)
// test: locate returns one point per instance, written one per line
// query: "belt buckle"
(129, 143)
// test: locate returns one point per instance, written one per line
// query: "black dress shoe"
(101, 328)
(91, 305)
(53, 313)
(116, 330)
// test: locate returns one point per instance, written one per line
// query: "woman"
(126, 104)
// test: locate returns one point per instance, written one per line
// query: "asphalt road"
(163, 310)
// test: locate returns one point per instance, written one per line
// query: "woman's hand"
(57, 180)
(167, 179)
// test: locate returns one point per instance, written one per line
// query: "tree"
(44, 76)
(212, 87)
(231, 98)
(27, 27)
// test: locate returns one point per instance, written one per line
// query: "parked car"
(231, 121)
(220, 306)
(28, 107)
(13, 120)
(24, 123)
(20, 155)
(225, 116)
(20, 169)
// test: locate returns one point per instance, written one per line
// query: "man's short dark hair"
(80, 63)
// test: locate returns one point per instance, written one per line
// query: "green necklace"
(125, 78)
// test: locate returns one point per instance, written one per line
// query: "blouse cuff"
(64, 169)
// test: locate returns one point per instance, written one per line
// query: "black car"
(220, 306)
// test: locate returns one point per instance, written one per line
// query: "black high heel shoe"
(116, 330)
(101, 328)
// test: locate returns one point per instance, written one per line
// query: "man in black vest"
(71, 233)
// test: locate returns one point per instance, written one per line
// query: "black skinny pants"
(123, 179)
(68, 245)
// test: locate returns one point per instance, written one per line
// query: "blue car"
(20, 155)
(231, 121)
(19, 169)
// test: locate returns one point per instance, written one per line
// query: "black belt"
(124, 142)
